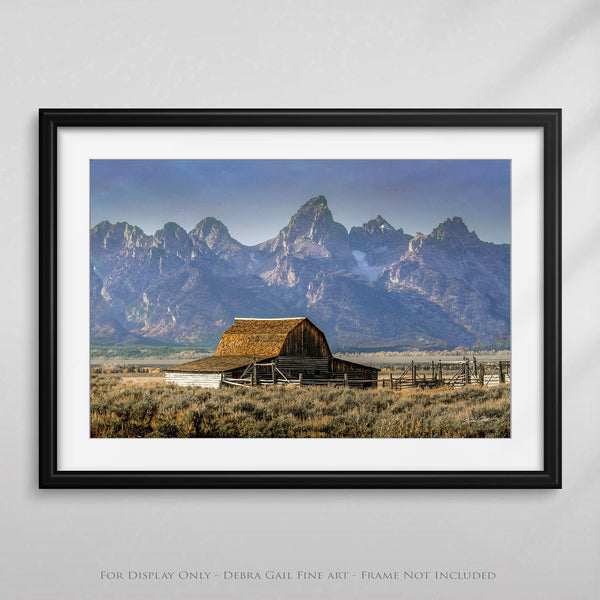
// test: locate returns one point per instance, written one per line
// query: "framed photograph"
(300, 298)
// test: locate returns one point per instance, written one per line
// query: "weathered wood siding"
(292, 366)
(363, 373)
(205, 380)
(305, 340)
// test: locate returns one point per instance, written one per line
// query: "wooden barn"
(272, 351)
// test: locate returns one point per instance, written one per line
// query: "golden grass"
(134, 408)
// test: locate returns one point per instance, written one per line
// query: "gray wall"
(293, 54)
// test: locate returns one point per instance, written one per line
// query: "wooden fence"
(261, 374)
(453, 374)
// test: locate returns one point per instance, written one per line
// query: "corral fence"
(263, 374)
(454, 374)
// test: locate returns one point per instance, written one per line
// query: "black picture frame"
(51, 120)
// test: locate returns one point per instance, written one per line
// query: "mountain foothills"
(370, 289)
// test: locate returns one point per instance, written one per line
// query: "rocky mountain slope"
(372, 288)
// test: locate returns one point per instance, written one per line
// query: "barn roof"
(215, 364)
(256, 337)
(248, 340)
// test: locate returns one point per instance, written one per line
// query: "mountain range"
(371, 288)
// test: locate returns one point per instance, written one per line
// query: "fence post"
(500, 372)
(467, 374)
(414, 374)
(300, 379)
(433, 372)
(273, 373)
(441, 374)
(391, 381)
(481, 374)
(345, 379)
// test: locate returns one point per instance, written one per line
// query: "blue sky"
(256, 198)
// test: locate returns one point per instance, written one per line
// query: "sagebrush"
(132, 409)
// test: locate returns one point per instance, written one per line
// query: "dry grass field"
(142, 406)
